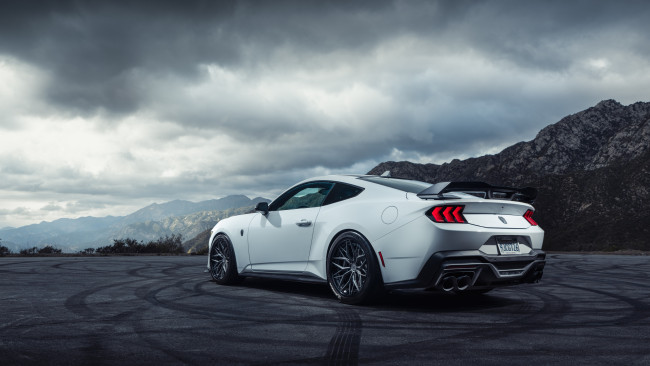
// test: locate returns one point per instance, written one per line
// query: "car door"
(281, 240)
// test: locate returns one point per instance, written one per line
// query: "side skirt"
(286, 276)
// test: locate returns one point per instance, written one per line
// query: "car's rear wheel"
(223, 266)
(352, 269)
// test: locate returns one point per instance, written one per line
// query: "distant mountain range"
(592, 170)
(149, 223)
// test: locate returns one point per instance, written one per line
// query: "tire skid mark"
(171, 271)
(343, 348)
(158, 272)
(550, 316)
(150, 295)
(84, 266)
(32, 272)
(144, 333)
(235, 311)
(639, 309)
(633, 273)
(611, 278)
(236, 318)
(552, 305)
(78, 303)
(12, 263)
(519, 324)
(557, 308)
(135, 272)
(380, 355)
(225, 319)
(277, 297)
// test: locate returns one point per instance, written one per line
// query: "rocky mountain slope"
(592, 170)
(189, 226)
(179, 208)
(149, 223)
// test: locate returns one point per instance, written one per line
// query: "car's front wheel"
(223, 266)
(352, 269)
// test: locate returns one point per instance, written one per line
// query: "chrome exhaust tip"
(449, 283)
(463, 282)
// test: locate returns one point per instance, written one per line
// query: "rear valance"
(480, 189)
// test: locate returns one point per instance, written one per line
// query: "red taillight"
(529, 217)
(458, 214)
(437, 217)
(448, 214)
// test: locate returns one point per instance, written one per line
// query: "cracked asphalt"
(588, 309)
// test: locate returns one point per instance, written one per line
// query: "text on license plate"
(509, 248)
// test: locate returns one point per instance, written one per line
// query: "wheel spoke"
(341, 271)
(343, 285)
(219, 259)
(349, 267)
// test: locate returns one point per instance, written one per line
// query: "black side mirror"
(262, 207)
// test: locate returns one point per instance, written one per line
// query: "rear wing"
(480, 189)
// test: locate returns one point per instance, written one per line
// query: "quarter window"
(342, 191)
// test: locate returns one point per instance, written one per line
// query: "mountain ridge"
(582, 141)
(592, 169)
(147, 223)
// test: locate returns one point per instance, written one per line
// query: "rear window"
(412, 186)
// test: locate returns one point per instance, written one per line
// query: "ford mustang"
(365, 234)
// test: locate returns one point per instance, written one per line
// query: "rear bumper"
(473, 270)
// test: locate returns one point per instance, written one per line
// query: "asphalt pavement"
(588, 309)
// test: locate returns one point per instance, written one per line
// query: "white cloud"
(20, 84)
(255, 100)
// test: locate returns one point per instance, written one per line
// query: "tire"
(352, 269)
(223, 266)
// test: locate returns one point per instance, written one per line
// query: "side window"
(304, 196)
(340, 192)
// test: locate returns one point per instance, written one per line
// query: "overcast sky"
(107, 107)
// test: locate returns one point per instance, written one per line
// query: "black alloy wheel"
(352, 269)
(223, 266)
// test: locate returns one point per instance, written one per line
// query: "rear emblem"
(503, 220)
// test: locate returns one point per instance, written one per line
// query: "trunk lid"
(496, 214)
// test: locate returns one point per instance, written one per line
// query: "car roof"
(345, 178)
(350, 179)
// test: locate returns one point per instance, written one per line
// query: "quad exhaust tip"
(463, 282)
(449, 283)
(456, 283)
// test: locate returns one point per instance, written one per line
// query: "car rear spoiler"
(480, 189)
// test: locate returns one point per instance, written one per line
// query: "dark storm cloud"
(97, 52)
(139, 100)
(550, 34)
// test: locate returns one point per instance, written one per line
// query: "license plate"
(508, 247)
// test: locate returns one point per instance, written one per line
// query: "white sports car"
(363, 234)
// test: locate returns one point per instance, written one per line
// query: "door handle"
(303, 222)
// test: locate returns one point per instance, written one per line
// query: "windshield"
(405, 185)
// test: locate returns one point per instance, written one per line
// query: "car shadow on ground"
(410, 300)
(289, 287)
(431, 301)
